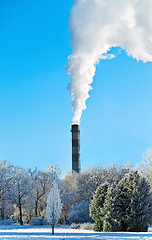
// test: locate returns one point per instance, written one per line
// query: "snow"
(64, 232)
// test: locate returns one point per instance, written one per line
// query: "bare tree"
(19, 190)
(67, 198)
(38, 181)
(145, 168)
(5, 179)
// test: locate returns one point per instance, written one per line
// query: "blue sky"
(35, 104)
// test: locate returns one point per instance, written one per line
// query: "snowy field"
(26, 233)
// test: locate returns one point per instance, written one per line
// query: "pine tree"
(54, 206)
(96, 207)
(110, 223)
(133, 203)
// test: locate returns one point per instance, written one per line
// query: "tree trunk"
(36, 208)
(53, 229)
(2, 207)
(20, 211)
(2, 213)
(66, 220)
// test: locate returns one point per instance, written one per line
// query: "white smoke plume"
(98, 25)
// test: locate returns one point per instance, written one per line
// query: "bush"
(6, 222)
(80, 213)
(38, 221)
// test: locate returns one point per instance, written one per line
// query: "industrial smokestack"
(75, 148)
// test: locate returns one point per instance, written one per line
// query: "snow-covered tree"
(53, 172)
(5, 180)
(49, 175)
(41, 183)
(67, 198)
(71, 180)
(38, 181)
(145, 168)
(54, 206)
(85, 183)
(19, 190)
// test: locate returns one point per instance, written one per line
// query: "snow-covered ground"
(26, 233)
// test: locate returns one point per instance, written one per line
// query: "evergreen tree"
(133, 203)
(110, 223)
(96, 207)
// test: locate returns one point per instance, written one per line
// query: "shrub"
(38, 221)
(6, 222)
(80, 213)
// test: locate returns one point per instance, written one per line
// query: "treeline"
(23, 194)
